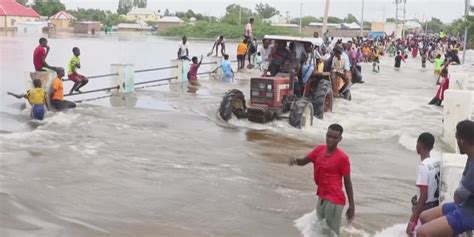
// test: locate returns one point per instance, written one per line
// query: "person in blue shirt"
(455, 218)
(227, 71)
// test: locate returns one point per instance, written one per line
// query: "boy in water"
(331, 167)
(427, 181)
(57, 95)
(455, 218)
(376, 63)
(74, 64)
(443, 86)
(227, 71)
(241, 52)
(192, 74)
(36, 96)
(398, 60)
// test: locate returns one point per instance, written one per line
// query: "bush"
(212, 30)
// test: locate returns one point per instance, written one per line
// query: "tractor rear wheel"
(301, 114)
(322, 99)
(233, 102)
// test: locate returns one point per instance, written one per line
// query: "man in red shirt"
(331, 165)
(40, 54)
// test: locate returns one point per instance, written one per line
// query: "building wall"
(61, 23)
(11, 21)
(164, 26)
(134, 17)
(85, 28)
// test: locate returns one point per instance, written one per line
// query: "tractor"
(272, 97)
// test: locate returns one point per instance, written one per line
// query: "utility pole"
(362, 20)
(301, 17)
(325, 20)
(466, 13)
(240, 15)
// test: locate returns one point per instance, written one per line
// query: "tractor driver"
(278, 57)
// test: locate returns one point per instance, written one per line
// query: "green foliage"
(236, 13)
(333, 19)
(152, 23)
(391, 19)
(105, 17)
(140, 3)
(230, 31)
(124, 7)
(435, 25)
(350, 19)
(265, 10)
(305, 21)
(22, 2)
(82, 14)
(48, 8)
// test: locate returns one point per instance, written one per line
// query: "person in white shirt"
(220, 41)
(427, 181)
(183, 49)
(265, 51)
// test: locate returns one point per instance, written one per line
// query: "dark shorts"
(62, 104)
(274, 68)
(460, 219)
(37, 112)
(76, 77)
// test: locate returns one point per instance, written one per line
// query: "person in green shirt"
(438, 62)
(74, 64)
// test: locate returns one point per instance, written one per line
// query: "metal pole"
(468, 4)
(362, 19)
(240, 15)
(301, 17)
(325, 20)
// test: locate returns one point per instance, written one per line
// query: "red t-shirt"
(329, 170)
(443, 87)
(38, 54)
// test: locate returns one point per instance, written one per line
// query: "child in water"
(376, 63)
(443, 86)
(37, 98)
(398, 60)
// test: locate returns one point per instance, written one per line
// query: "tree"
(391, 19)
(167, 12)
(48, 8)
(124, 7)
(236, 13)
(435, 25)
(22, 2)
(305, 21)
(139, 3)
(333, 19)
(265, 10)
(351, 19)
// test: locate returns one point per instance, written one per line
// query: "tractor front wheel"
(301, 114)
(233, 102)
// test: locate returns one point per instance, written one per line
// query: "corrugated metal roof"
(12, 8)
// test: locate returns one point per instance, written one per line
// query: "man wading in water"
(331, 165)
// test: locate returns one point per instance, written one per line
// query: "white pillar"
(125, 78)
(46, 78)
(181, 74)
(457, 107)
(216, 61)
(452, 166)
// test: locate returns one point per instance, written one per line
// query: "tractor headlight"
(269, 94)
(261, 85)
(255, 93)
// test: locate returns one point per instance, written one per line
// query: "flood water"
(171, 167)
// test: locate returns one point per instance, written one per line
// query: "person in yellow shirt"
(241, 52)
(36, 96)
(74, 64)
(57, 95)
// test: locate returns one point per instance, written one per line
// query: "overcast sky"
(374, 10)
